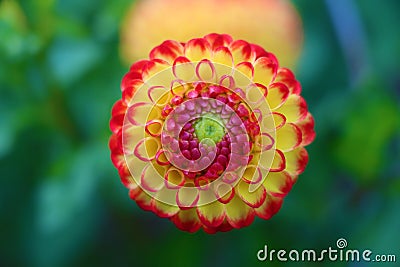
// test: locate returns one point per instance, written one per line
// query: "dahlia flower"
(210, 133)
(272, 24)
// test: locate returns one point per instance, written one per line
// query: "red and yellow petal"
(264, 71)
(307, 129)
(288, 137)
(296, 161)
(269, 208)
(218, 40)
(167, 51)
(278, 184)
(294, 109)
(242, 51)
(211, 215)
(238, 213)
(187, 220)
(198, 49)
(252, 198)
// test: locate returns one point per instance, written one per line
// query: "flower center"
(209, 127)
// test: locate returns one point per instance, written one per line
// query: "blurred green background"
(61, 201)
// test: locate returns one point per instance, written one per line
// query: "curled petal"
(154, 127)
(252, 198)
(279, 119)
(183, 69)
(205, 71)
(174, 178)
(279, 162)
(161, 159)
(146, 149)
(224, 192)
(244, 73)
(252, 175)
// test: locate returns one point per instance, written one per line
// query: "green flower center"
(209, 127)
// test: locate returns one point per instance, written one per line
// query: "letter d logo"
(262, 254)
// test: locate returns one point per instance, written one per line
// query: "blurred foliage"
(61, 202)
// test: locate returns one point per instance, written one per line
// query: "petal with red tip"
(259, 51)
(212, 214)
(198, 49)
(135, 72)
(277, 95)
(264, 71)
(218, 40)
(162, 209)
(223, 61)
(187, 220)
(224, 227)
(167, 51)
(130, 90)
(294, 109)
(156, 73)
(307, 129)
(278, 184)
(238, 213)
(296, 161)
(143, 200)
(288, 137)
(253, 199)
(242, 51)
(270, 206)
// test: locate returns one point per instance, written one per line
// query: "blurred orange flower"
(272, 24)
